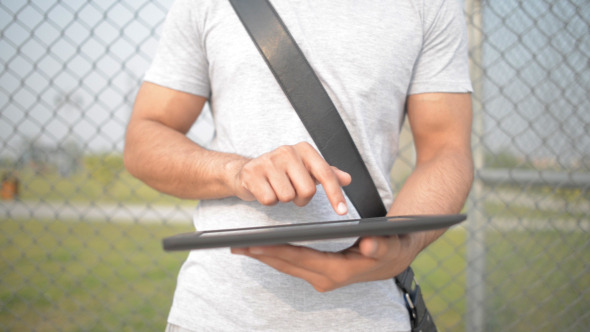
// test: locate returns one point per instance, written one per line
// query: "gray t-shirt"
(369, 56)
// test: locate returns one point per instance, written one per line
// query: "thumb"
(374, 247)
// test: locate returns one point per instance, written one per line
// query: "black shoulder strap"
(323, 122)
(311, 101)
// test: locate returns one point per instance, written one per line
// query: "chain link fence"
(80, 238)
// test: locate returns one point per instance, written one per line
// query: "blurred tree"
(104, 168)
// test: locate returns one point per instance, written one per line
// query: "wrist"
(230, 174)
(414, 243)
(418, 241)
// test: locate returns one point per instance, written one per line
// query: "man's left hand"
(373, 258)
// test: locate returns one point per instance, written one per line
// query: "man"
(377, 61)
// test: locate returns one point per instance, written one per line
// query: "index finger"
(331, 178)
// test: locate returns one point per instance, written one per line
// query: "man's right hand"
(158, 152)
(290, 173)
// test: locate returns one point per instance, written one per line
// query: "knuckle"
(284, 150)
(299, 201)
(248, 170)
(307, 192)
(324, 173)
(287, 196)
(267, 200)
(281, 157)
(303, 145)
(265, 159)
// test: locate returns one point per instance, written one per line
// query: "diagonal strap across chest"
(323, 122)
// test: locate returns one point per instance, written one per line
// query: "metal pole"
(476, 250)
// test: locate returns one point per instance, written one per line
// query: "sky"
(537, 90)
(70, 71)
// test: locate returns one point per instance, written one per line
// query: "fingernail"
(341, 209)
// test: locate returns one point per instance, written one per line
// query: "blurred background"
(80, 239)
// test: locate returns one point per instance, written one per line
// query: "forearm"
(437, 186)
(158, 152)
(168, 161)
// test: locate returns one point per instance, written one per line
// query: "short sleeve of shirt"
(443, 63)
(180, 62)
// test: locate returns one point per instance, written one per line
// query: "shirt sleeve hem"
(183, 86)
(445, 87)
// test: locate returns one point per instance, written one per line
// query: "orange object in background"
(9, 189)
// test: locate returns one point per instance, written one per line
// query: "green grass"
(514, 211)
(95, 276)
(440, 271)
(536, 280)
(85, 276)
(85, 186)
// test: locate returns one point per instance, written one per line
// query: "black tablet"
(269, 235)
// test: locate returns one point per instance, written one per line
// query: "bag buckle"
(410, 304)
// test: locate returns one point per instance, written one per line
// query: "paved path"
(183, 215)
(538, 201)
(95, 212)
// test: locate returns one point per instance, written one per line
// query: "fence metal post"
(476, 251)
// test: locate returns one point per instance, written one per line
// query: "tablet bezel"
(312, 231)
